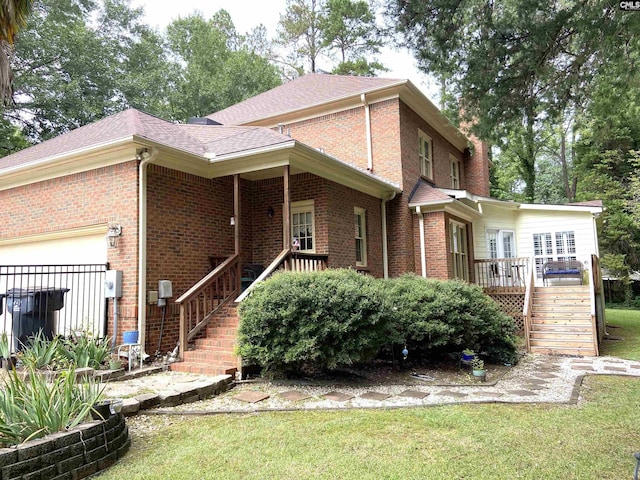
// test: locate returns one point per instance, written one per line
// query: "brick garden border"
(78, 453)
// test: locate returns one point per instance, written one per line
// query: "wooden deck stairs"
(561, 322)
(213, 350)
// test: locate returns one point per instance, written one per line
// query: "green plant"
(85, 350)
(5, 350)
(319, 320)
(31, 407)
(477, 364)
(39, 352)
(468, 351)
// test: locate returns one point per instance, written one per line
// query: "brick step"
(203, 356)
(216, 341)
(581, 352)
(204, 368)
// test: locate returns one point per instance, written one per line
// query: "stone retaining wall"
(78, 453)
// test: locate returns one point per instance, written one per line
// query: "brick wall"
(188, 220)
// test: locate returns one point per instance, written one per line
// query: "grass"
(593, 440)
(626, 324)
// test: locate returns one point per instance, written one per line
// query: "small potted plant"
(467, 356)
(115, 363)
(478, 370)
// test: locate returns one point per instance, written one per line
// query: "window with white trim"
(545, 249)
(361, 236)
(426, 155)
(501, 243)
(303, 226)
(454, 174)
(458, 250)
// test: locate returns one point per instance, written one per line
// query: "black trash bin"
(33, 309)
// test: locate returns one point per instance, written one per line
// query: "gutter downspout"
(385, 251)
(423, 251)
(142, 244)
(367, 116)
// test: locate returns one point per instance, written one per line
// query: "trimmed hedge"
(321, 320)
(334, 318)
(447, 316)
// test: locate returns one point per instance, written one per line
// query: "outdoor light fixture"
(232, 221)
(270, 212)
(114, 232)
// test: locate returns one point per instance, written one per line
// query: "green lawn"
(593, 440)
(625, 324)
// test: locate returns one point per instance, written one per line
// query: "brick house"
(324, 171)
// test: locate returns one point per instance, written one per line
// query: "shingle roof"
(194, 139)
(303, 92)
(424, 193)
(589, 203)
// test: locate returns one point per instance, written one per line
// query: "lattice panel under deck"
(512, 304)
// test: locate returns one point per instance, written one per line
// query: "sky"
(247, 14)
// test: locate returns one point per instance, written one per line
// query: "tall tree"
(349, 27)
(219, 67)
(300, 30)
(514, 62)
(13, 16)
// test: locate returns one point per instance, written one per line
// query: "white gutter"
(423, 249)
(385, 255)
(142, 244)
(367, 120)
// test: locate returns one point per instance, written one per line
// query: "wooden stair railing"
(594, 290)
(289, 261)
(201, 302)
(527, 312)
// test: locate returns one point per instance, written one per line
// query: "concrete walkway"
(536, 379)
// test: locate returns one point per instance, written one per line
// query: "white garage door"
(79, 284)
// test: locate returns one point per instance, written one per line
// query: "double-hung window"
(458, 249)
(425, 154)
(303, 226)
(455, 172)
(361, 236)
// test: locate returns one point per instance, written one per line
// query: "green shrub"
(445, 316)
(319, 320)
(31, 407)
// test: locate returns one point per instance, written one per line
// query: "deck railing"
(290, 261)
(595, 292)
(205, 298)
(502, 272)
(527, 312)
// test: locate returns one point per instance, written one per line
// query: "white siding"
(497, 218)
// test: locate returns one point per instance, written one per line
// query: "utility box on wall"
(165, 289)
(113, 284)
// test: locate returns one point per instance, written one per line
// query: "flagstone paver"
(635, 366)
(450, 393)
(614, 369)
(294, 396)
(488, 394)
(249, 396)
(523, 393)
(375, 396)
(545, 375)
(588, 368)
(536, 381)
(413, 394)
(337, 396)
